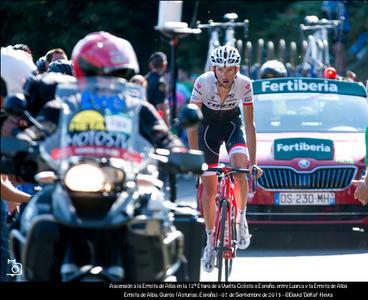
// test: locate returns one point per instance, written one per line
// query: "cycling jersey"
(205, 92)
(221, 122)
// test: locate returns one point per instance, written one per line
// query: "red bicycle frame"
(226, 192)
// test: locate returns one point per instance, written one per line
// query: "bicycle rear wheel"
(220, 248)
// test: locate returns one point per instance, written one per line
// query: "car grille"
(332, 178)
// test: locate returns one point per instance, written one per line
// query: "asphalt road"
(276, 254)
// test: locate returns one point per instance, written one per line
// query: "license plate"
(304, 198)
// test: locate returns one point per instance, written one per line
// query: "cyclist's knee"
(239, 160)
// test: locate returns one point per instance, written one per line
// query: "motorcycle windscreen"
(99, 119)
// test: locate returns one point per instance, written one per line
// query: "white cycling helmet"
(225, 56)
(16, 66)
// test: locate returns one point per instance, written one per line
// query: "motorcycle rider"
(103, 54)
(115, 58)
(100, 54)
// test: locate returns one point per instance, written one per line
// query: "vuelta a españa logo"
(87, 120)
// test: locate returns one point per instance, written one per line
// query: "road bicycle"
(317, 55)
(215, 29)
(224, 235)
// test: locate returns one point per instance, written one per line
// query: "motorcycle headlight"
(87, 177)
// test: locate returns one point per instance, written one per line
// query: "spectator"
(24, 48)
(62, 66)
(41, 65)
(183, 88)
(157, 86)
(54, 54)
(16, 66)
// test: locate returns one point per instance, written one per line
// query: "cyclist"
(220, 94)
(272, 69)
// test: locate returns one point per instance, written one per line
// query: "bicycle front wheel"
(221, 249)
(228, 268)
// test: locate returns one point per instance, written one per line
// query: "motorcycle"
(101, 215)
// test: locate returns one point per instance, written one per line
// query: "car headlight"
(87, 177)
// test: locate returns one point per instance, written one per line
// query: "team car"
(310, 145)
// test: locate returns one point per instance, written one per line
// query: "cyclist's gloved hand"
(256, 172)
(255, 167)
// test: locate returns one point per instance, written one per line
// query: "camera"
(15, 268)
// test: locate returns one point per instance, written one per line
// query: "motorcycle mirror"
(190, 116)
(191, 161)
(15, 105)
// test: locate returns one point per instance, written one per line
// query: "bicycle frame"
(226, 187)
(224, 236)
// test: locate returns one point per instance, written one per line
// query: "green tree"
(48, 24)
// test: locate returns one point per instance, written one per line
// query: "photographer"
(16, 66)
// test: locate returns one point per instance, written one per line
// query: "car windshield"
(300, 112)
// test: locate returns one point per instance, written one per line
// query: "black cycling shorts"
(211, 136)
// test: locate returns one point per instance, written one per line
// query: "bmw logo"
(304, 163)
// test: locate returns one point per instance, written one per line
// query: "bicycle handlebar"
(212, 25)
(314, 27)
(229, 170)
(321, 24)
